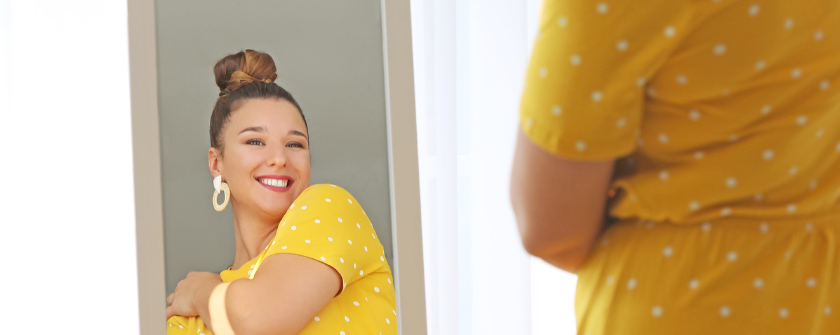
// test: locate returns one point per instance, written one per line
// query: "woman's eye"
(254, 142)
(295, 145)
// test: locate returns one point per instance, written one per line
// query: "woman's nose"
(277, 157)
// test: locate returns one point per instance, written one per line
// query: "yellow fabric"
(327, 224)
(724, 119)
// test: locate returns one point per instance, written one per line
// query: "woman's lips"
(276, 183)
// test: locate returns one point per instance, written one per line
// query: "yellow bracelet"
(218, 311)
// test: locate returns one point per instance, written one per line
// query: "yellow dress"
(724, 119)
(326, 223)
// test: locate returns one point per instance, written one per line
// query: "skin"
(559, 203)
(262, 137)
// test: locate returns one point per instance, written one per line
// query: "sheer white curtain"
(470, 58)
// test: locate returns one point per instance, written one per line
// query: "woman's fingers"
(170, 299)
(169, 312)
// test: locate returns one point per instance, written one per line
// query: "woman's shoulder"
(326, 193)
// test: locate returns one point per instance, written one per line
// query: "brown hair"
(244, 76)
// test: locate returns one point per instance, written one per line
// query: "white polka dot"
(374, 236)
(731, 182)
(389, 281)
(308, 241)
(354, 265)
(811, 282)
(641, 81)
(575, 60)
(664, 175)
(698, 155)
(362, 273)
(294, 228)
(382, 258)
(556, 110)
(760, 64)
(272, 242)
(327, 200)
(341, 333)
(602, 8)
(292, 206)
(796, 73)
(252, 265)
(753, 10)
(793, 170)
(681, 79)
(580, 146)
(818, 35)
(801, 120)
(620, 123)
(764, 227)
(651, 92)
(824, 84)
(181, 326)
(788, 254)
(837, 146)
(693, 284)
(317, 319)
(349, 241)
(784, 313)
(597, 96)
(329, 239)
(366, 249)
(789, 23)
(341, 259)
(693, 206)
(529, 123)
(670, 31)
(820, 132)
(562, 21)
(827, 310)
(663, 138)
(350, 201)
(706, 226)
(284, 247)
(733, 137)
(387, 321)
(766, 109)
(809, 227)
(346, 319)
(610, 280)
(340, 220)
(317, 221)
(543, 72)
(725, 311)
(631, 284)
(791, 208)
(304, 207)
(250, 271)
(768, 154)
(732, 256)
(694, 115)
(323, 258)
(356, 303)
(719, 49)
(758, 197)
(621, 45)
(758, 283)
(376, 289)
(656, 311)
(358, 226)
(667, 251)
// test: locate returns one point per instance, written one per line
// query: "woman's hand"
(196, 285)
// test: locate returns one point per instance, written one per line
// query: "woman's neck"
(252, 234)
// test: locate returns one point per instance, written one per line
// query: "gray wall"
(328, 55)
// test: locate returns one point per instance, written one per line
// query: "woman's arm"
(559, 203)
(286, 294)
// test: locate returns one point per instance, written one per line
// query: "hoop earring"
(220, 186)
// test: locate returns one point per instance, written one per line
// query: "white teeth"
(275, 182)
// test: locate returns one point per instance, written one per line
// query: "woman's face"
(266, 157)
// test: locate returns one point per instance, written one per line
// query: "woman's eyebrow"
(259, 129)
(297, 132)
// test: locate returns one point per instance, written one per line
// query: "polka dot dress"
(723, 117)
(326, 224)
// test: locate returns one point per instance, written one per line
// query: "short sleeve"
(327, 224)
(586, 82)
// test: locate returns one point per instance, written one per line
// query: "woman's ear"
(214, 160)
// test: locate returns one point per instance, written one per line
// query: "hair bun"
(236, 70)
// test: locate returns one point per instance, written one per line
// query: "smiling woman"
(308, 260)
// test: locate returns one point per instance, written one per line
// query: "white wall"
(67, 227)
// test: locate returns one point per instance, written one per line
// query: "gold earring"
(220, 186)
